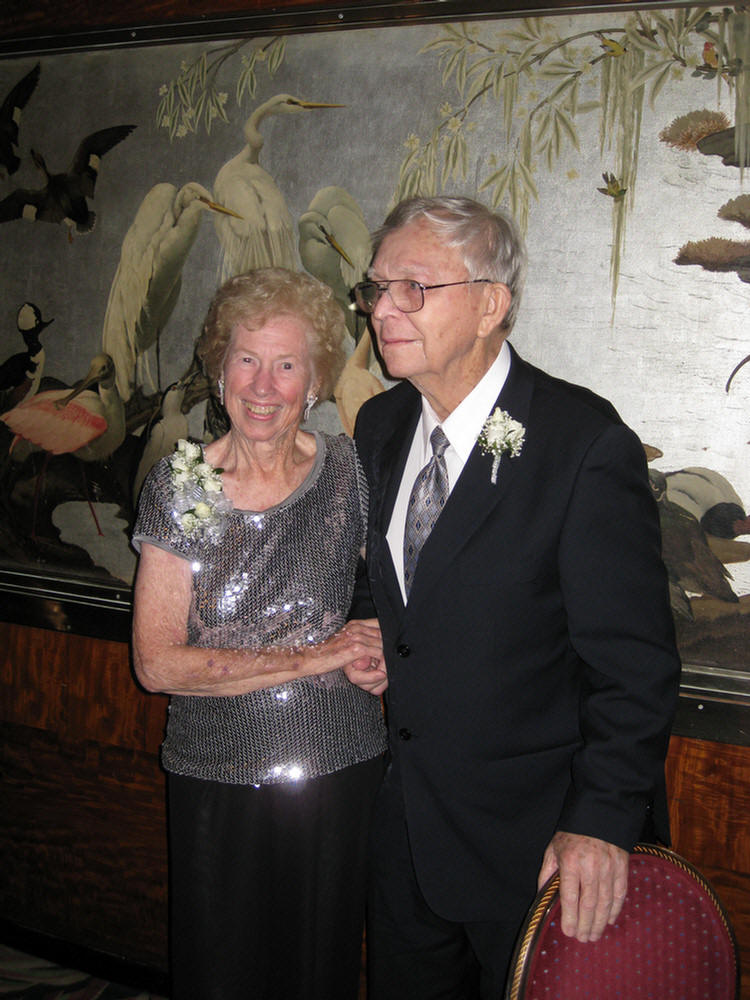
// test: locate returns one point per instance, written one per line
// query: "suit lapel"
(391, 458)
(474, 496)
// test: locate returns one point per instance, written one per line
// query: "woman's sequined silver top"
(283, 577)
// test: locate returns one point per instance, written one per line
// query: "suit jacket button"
(404, 734)
(403, 650)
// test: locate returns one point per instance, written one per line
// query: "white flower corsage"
(501, 435)
(199, 502)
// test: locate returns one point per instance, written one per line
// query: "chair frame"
(548, 895)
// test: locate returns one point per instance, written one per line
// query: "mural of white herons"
(147, 282)
(335, 246)
(264, 235)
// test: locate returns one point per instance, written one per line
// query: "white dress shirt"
(462, 428)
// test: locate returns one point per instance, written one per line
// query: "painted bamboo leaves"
(194, 98)
(542, 82)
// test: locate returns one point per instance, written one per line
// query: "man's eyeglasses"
(405, 294)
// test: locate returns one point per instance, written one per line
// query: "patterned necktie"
(427, 499)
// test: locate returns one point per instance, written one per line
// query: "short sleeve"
(343, 446)
(156, 522)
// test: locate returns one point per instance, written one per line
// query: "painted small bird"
(63, 197)
(710, 56)
(21, 373)
(10, 116)
(614, 188)
(610, 45)
(691, 565)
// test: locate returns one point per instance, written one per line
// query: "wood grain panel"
(77, 687)
(83, 836)
(710, 796)
(82, 818)
(82, 815)
(709, 792)
(24, 19)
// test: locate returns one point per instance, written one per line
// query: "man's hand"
(593, 882)
(368, 673)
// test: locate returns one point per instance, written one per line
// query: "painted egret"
(265, 235)
(147, 283)
(356, 383)
(334, 246)
(163, 434)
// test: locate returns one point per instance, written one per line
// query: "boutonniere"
(501, 435)
(199, 501)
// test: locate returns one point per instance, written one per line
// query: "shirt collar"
(463, 425)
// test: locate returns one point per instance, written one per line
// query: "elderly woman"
(248, 551)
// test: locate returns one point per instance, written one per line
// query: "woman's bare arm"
(163, 662)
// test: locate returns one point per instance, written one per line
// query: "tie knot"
(439, 441)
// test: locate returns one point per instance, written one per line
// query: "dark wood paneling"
(82, 817)
(20, 19)
(82, 821)
(77, 687)
(709, 792)
(84, 838)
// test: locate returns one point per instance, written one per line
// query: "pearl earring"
(310, 402)
(221, 390)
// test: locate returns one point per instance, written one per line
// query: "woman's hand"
(368, 671)
(358, 641)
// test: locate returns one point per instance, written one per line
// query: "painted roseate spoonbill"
(265, 235)
(89, 425)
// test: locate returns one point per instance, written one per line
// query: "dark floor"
(58, 975)
(31, 978)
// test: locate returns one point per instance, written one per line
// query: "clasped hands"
(367, 671)
(593, 882)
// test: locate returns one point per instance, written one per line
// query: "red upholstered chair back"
(672, 941)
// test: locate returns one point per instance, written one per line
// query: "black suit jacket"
(533, 673)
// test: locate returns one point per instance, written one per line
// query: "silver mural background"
(613, 137)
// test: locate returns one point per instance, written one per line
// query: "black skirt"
(267, 886)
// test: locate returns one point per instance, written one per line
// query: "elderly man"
(514, 562)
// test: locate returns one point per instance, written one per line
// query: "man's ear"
(496, 305)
